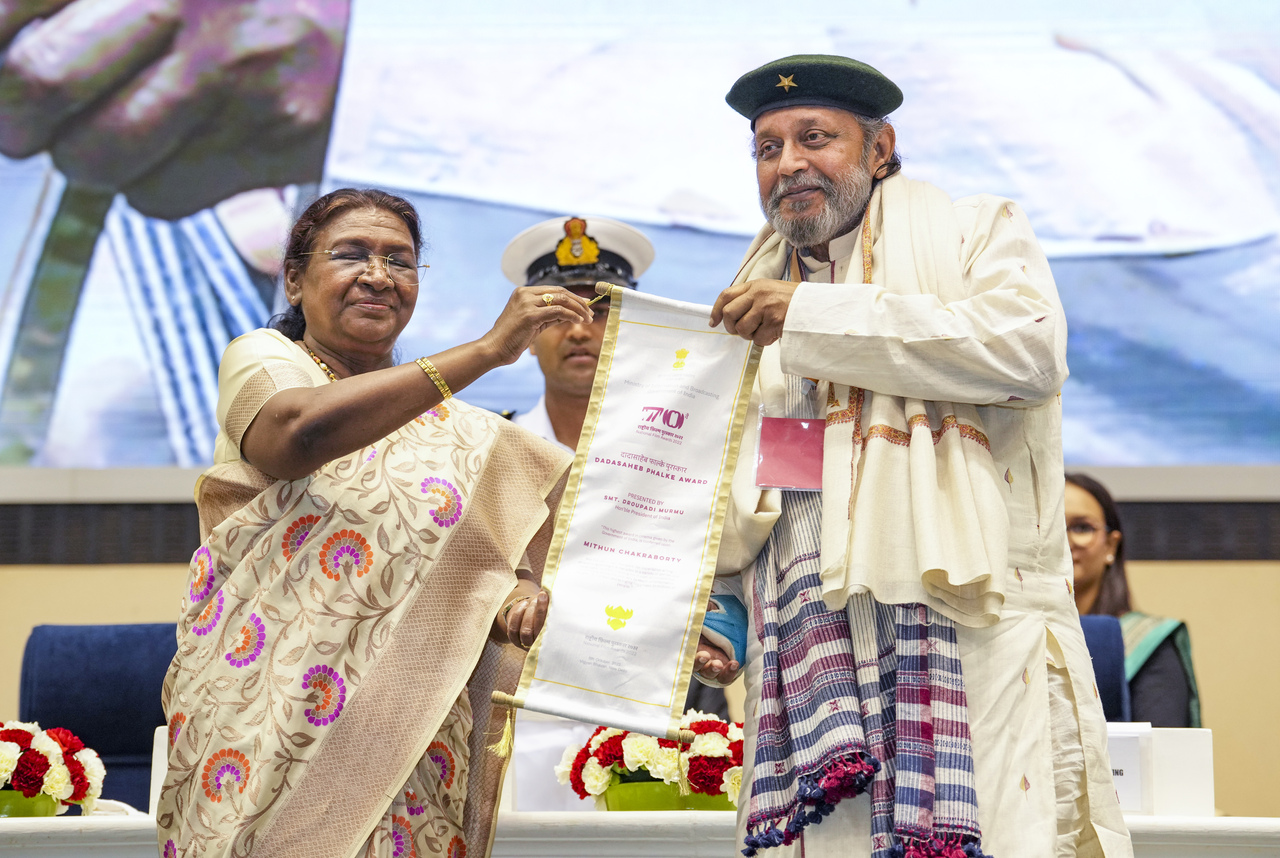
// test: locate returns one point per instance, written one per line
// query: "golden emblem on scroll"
(618, 616)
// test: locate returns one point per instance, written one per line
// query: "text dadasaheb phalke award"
(634, 551)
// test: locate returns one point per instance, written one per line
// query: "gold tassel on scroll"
(506, 742)
(683, 783)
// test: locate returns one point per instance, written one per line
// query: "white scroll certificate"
(634, 551)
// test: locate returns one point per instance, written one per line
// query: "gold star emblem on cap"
(786, 82)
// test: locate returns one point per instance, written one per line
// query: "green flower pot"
(702, 801)
(643, 795)
(14, 803)
(656, 795)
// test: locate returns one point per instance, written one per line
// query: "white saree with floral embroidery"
(332, 650)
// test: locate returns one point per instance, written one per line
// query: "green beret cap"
(817, 79)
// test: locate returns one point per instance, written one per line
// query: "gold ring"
(548, 298)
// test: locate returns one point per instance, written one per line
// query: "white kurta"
(1039, 735)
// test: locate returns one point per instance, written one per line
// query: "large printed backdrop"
(1141, 139)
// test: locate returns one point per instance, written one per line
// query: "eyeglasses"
(1083, 533)
(402, 268)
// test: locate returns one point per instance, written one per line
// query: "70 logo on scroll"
(669, 417)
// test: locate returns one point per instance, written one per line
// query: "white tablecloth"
(689, 834)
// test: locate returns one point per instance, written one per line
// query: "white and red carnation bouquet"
(54, 762)
(711, 764)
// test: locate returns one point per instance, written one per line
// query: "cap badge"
(577, 248)
(786, 82)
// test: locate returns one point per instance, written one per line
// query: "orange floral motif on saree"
(329, 627)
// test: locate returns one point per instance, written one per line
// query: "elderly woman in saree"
(369, 570)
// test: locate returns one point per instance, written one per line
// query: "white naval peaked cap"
(624, 249)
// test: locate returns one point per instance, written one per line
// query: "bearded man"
(917, 681)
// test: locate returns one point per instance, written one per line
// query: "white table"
(675, 834)
(695, 834)
(117, 832)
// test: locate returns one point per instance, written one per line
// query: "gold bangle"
(434, 374)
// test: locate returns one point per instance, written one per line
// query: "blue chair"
(1106, 646)
(103, 684)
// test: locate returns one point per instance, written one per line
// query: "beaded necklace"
(324, 367)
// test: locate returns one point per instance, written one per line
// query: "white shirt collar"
(839, 248)
(537, 421)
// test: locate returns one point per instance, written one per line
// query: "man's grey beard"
(845, 201)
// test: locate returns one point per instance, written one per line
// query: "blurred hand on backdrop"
(176, 103)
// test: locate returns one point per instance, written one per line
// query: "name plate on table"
(1129, 746)
(1162, 771)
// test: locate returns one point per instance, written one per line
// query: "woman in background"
(1162, 683)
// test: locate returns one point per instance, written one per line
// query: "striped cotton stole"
(867, 697)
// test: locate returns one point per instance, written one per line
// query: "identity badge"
(790, 453)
